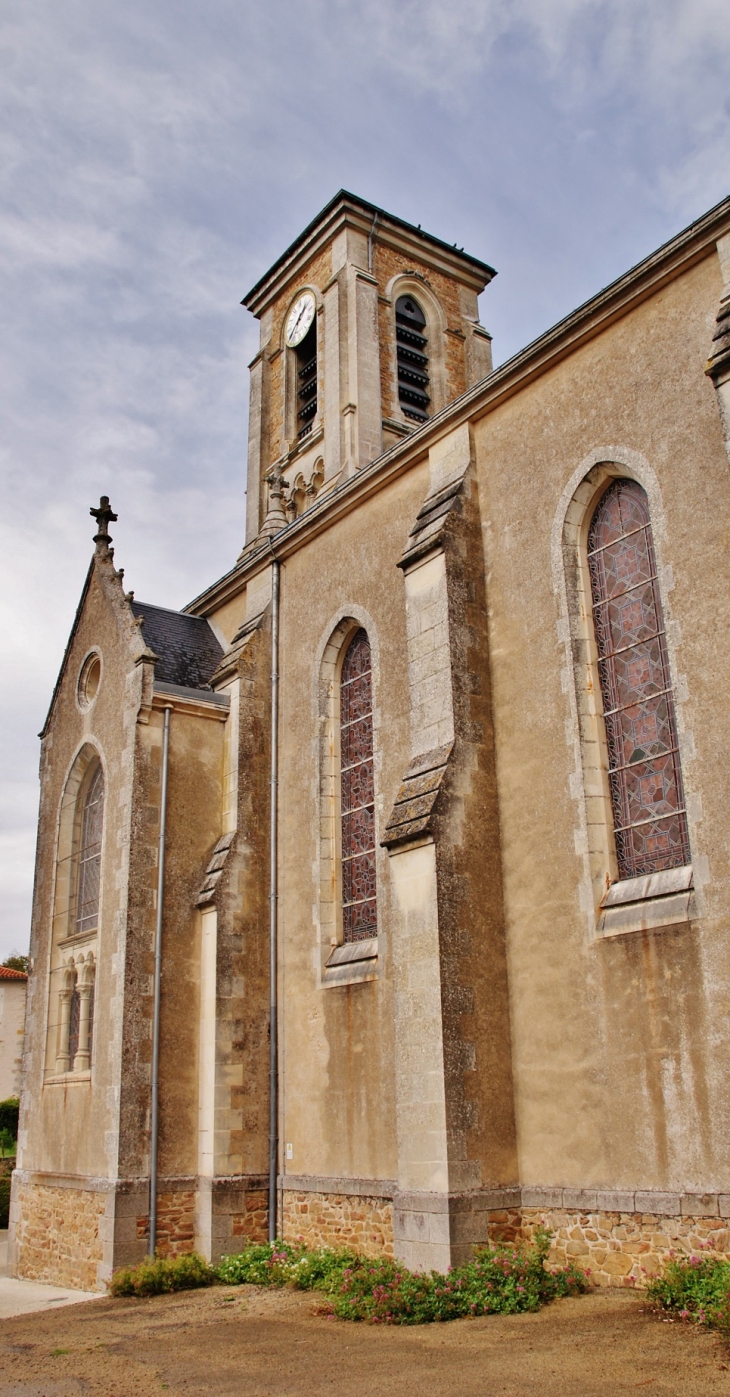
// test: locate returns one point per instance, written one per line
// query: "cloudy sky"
(156, 158)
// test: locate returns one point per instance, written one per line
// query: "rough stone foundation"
(59, 1235)
(175, 1219)
(339, 1220)
(618, 1249)
(252, 1225)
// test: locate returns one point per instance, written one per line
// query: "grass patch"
(695, 1288)
(162, 1275)
(499, 1280)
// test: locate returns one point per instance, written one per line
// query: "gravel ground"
(245, 1342)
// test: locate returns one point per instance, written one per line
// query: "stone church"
(383, 892)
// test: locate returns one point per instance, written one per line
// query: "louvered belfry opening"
(411, 343)
(359, 902)
(645, 777)
(307, 382)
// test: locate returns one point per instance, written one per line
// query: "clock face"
(299, 320)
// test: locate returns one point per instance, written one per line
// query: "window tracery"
(645, 779)
(77, 906)
(89, 858)
(359, 894)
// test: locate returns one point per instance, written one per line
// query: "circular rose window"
(89, 681)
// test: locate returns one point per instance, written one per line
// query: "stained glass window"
(87, 904)
(359, 904)
(650, 821)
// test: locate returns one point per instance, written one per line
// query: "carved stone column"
(82, 1059)
(62, 1058)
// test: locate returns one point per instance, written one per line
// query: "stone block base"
(361, 1221)
(434, 1231)
(58, 1234)
(75, 1232)
(623, 1249)
(230, 1214)
(175, 1221)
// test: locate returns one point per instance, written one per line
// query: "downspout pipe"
(154, 1131)
(273, 910)
(371, 235)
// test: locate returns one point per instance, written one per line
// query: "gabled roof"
(187, 648)
(7, 973)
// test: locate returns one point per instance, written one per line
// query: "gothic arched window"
(359, 903)
(411, 343)
(645, 778)
(89, 856)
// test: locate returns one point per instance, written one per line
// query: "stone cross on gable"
(104, 515)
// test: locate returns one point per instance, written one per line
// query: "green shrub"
(162, 1275)
(280, 1263)
(4, 1200)
(696, 1288)
(9, 1116)
(499, 1280)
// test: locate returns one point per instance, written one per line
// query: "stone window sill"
(351, 962)
(641, 904)
(78, 938)
(64, 1078)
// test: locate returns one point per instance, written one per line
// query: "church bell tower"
(369, 327)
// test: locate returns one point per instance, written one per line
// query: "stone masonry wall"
(339, 1220)
(617, 1249)
(59, 1236)
(252, 1225)
(175, 1222)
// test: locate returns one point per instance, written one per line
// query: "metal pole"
(158, 976)
(273, 898)
(371, 235)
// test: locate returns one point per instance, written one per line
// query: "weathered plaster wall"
(618, 1044)
(12, 1028)
(70, 1126)
(337, 1041)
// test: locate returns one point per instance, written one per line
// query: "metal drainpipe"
(158, 976)
(273, 919)
(371, 235)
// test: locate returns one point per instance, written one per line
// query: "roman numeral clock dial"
(299, 319)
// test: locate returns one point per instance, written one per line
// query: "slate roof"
(187, 648)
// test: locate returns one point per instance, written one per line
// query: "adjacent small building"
(13, 987)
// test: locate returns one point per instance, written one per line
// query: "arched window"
(359, 902)
(76, 918)
(645, 777)
(411, 345)
(89, 857)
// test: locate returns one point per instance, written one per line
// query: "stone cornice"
(348, 210)
(665, 265)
